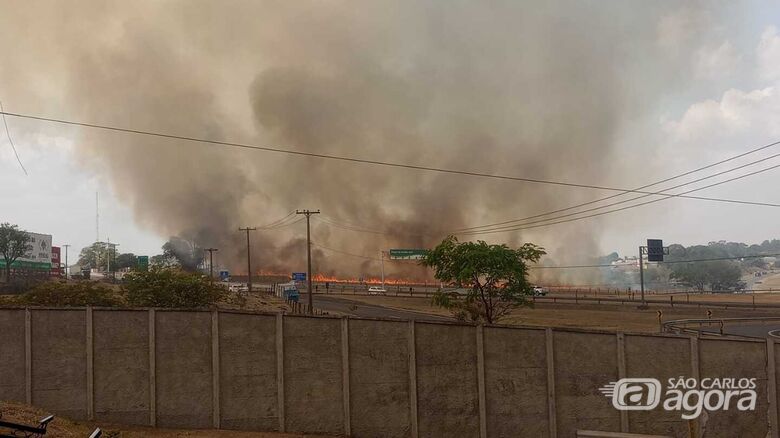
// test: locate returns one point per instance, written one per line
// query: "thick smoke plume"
(540, 90)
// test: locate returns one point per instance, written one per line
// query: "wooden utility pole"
(211, 261)
(309, 289)
(248, 257)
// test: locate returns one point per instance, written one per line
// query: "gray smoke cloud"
(534, 89)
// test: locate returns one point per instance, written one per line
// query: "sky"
(722, 99)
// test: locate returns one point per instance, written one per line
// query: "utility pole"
(248, 257)
(66, 260)
(308, 214)
(382, 261)
(211, 262)
(642, 275)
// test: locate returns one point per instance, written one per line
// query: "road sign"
(655, 250)
(143, 263)
(299, 276)
(407, 254)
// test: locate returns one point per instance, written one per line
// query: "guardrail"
(670, 302)
(695, 325)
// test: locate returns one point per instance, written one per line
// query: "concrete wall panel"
(59, 362)
(183, 357)
(736, 359)
(12, 356)
(247, 367)
(516, 383)
(379, 378)
(661, 358)
(121, 366)
(312, 375)
(584, 362)
(447, 391)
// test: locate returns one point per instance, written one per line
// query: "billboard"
(38, 256)
(407, 254)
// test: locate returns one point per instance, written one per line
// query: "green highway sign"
(407, 254)
(143, 263)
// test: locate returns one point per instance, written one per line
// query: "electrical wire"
(522, 227)
(348, 158)
(661, 193)
(752, 151)
(10, 140)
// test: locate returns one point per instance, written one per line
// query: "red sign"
(56, 268)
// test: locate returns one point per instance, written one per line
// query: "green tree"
(494, 277)
(188, 255)
(167, 287)
(720, 275)
(82, 293)
(14, 243)
(125, 260)
(94, 256)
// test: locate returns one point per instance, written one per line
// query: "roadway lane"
(752, 330)
(360, 309)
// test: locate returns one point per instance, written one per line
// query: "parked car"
(377, 290)
(539, 291)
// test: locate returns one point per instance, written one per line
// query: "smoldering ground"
(535, 89)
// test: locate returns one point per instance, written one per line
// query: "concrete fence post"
(413, 381)
(771, 387)
(345, 374)
(28, 356)
(621, 365)
(280, 370)
(90, 365)
(551, 409)
(152, 370)
(481, 381)
(215, 391)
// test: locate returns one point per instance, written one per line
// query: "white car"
(376, 290)
(539, 291)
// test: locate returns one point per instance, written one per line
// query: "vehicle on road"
(377, 290)
(539, 291)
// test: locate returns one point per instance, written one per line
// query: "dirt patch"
(64, 428)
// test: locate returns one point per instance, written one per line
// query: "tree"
(187, 254)
(125, 260)
(494, 277)
(170, 287)
(94, 256)
(14, 243)
(720, 275)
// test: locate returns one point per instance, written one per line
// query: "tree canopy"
(492, 278)
(14, 243)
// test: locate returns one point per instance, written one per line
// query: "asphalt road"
(753, 330)
(354, 308)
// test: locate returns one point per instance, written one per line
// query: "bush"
(166, 287)
(69, 294)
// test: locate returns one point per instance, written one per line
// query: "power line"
(349, 159)
(752, 151)
(523, 227)
(661, 193)
(278, 221)
(344, 252)
(10, 140)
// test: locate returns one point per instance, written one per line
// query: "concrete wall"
(360, 377)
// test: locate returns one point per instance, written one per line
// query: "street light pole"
(308, 214)
(248, 257)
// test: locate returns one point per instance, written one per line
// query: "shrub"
(167, 287)
(56, 293)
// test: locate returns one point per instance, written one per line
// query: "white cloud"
(715, 63)
(768, 55)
